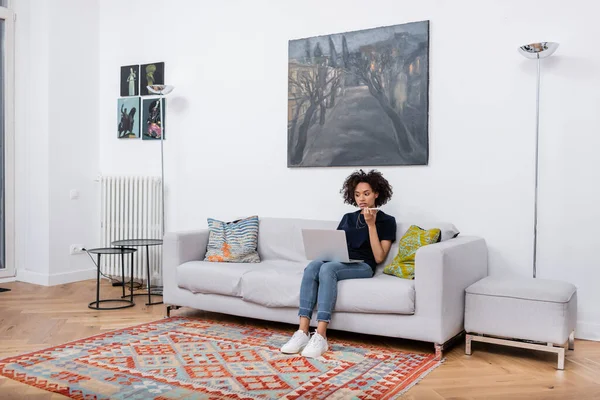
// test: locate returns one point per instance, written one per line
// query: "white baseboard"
(6, 280)
(24, 275)
(73, 276)
(55, 279)
(587, 330)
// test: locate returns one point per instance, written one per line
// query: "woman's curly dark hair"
(374, 178)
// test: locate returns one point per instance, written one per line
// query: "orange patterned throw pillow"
(235, 241)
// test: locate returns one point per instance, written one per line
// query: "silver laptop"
(326, 245)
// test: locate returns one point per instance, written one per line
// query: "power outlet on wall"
(76, 249)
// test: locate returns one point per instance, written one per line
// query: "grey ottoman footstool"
(537, 314)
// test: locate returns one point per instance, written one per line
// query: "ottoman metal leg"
(468, 345)
(572, 341)
(550, 347)
(561, 358)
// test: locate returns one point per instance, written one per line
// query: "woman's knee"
(313, 268)
(328, 270)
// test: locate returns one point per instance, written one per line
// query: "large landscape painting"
(359, 98)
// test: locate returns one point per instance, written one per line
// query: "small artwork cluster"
(138, 116)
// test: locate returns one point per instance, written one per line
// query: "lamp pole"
(162, 162)
(537, 51)
(161, 90)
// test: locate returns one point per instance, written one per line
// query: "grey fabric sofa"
(429, 308)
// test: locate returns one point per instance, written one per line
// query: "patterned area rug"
(186, 358)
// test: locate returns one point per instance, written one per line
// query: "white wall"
(57, 138)
(74, 154)
(31, 142)
(226, 122)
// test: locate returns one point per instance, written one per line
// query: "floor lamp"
(162, 91)
(537, 51)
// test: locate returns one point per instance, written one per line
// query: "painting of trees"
(359, 98)
(316, 87)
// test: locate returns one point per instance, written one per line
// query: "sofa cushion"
(215, 277)
(448, 231)
(548, 290)
(234, 241)
(403, 265)
(274, 287)
(381, 294)
(281, 238)
(280, 287)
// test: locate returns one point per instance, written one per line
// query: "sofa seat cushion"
(215, 277)
(274, 287)
(280, 287)
(381, 294)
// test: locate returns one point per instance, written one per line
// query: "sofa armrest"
(442, 273)
(178, 248)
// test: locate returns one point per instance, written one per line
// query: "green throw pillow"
(403, 265)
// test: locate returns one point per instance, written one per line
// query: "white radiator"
(131, 209)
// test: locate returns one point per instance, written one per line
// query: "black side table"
(95, 305)
(146, 243)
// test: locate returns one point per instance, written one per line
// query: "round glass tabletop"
(111, 250)
(137, 242)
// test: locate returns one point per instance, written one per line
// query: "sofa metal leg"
(439, 351)
(439, 348)
(169, 308)
(572, 341)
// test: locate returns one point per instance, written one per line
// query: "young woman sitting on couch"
(369, 235)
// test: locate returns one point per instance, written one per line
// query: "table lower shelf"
(156, 292)
(95, 305)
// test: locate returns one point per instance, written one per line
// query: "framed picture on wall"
(153, 123)
(359, 98)
(152, 74)
(130, 80)
(128, 111)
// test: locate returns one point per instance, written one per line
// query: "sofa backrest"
(281, 238)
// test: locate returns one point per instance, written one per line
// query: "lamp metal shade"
(538, 50)
(160, 89)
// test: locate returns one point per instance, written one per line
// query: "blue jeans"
(319, 285)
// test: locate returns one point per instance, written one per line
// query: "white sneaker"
(296, 343)
(315, 347)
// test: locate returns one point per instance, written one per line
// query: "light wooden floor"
(35, 317)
